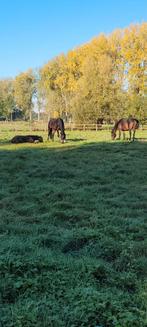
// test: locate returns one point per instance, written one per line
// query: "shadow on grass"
(113, 146)
(100, 163)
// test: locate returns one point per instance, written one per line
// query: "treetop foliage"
(105, 77)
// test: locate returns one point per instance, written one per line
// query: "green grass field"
(73, 232)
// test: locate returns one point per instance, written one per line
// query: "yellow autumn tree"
(104, 77)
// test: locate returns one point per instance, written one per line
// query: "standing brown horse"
(130, 124)
(56, 125)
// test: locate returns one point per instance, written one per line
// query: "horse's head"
(63, 137)
(113, 134)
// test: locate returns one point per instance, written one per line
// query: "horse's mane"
(61, 124)
(116, 123)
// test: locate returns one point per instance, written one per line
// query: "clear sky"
(34, 31)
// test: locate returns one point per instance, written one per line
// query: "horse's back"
(122, 124)
(55, 123)
(51, 122)
(125, 124)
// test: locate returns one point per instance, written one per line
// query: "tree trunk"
(38, 115)
(30, 115)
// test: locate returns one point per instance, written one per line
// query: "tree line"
(106, 77)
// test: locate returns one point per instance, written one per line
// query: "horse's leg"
(134, 134)
(58, 132)
(130, 132)
(124, 136)
(53, 132)
(50, 133)
(119, 137)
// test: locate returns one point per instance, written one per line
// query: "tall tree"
(134, 51)
(99, 90)
(7, 102)
(58, 81)
(24, 90)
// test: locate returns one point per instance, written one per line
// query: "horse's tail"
(137, 123)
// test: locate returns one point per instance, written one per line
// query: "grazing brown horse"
(56, 125)
(123, 125)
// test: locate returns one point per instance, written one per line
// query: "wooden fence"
(41, 125)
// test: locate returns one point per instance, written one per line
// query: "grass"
(73, 232)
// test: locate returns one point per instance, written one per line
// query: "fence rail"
(17, 126)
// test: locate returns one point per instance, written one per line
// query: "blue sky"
(34, 31)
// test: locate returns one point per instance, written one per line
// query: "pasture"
(73, 231)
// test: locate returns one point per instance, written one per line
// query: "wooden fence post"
(30, 126)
